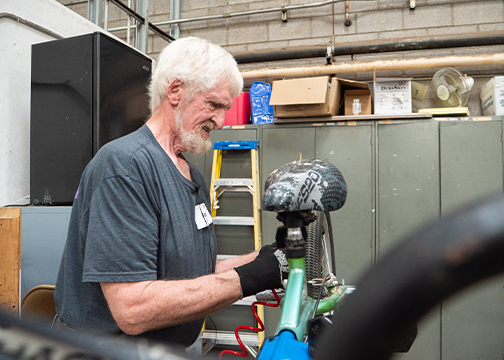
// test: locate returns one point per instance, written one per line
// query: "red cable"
(245, 327)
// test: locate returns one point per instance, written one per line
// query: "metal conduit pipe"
(30, 24)
(398, 64)
(282, 9)
(375, 46)
(252, 12)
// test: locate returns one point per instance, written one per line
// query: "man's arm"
(231, 263)
(141, 306)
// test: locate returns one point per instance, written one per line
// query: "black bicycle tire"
(426, 268)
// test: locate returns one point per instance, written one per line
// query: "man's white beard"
(192, 140)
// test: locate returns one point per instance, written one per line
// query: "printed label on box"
(392, 97)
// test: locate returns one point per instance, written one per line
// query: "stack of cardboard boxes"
(325, 96)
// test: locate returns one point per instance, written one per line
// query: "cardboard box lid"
(357, 92)
(352, 84)
(311, 90)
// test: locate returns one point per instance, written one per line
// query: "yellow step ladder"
(217, 187)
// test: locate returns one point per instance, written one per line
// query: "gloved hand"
(265, 272)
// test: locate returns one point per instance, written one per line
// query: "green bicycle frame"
(297, 306)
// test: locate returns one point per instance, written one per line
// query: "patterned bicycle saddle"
(305, 185)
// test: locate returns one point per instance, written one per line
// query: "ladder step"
(228, 338)
(233, 182)
(233, 220)
(236, 145)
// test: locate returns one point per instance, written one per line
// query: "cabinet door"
(408, 180)
(349, 148)
(278, 147)
(471, 169)
(44, 231)
(471, 162)
(408, 196)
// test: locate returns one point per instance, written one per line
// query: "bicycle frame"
(295, 190)
(297, 309)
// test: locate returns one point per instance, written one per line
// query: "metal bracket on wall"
(348, 22)
(284, 14)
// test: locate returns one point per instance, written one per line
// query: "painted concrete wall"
(15, 72)
(371, 20)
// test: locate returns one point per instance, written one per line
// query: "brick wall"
(371, 20)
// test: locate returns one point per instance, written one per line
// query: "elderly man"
(137, 260)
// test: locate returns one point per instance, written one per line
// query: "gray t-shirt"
(133, 219)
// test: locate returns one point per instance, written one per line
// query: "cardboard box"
(364, 97)
(314, 96)
(392, 96)
(492, 96)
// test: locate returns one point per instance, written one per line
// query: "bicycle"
(303, 193)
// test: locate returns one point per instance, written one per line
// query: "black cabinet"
(85, 91)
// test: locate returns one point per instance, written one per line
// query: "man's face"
(198, 116)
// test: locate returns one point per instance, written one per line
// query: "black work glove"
(265, 272)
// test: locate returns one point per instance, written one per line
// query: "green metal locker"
(407, 198)
(471, 169)
(349, 148)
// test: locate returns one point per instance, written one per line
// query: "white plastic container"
(492, 96)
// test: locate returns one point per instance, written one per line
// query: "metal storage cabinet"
(411, 172)
(471, 168)
(408, 196)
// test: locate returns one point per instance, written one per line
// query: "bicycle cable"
(258, 329)
(327, 277)
(331, 241)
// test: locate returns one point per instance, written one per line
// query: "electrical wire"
(260, 327)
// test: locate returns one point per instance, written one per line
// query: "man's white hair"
(199, 64)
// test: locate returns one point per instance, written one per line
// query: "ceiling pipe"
(375, 46)
(398, 64)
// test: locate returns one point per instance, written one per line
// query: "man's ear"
(175, 91)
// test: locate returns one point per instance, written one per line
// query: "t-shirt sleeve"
(122, 234)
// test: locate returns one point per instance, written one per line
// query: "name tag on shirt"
(202, 216)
